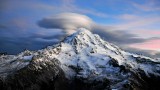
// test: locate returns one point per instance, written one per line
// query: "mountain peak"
(83, 31)
(82, 36)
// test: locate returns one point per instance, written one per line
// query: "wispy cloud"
(70, 6)
(137, 22)
(150, 5)
(127, 17)
(147, 31)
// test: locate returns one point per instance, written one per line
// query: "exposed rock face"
(83, 61)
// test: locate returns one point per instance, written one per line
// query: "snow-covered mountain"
(82, 61)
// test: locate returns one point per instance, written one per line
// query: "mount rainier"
(82, 61)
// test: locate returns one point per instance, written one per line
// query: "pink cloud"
(149, 45)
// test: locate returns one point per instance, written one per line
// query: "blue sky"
(137, 20)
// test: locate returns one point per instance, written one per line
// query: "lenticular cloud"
(69, 22)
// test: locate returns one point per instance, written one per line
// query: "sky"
(134, 25)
